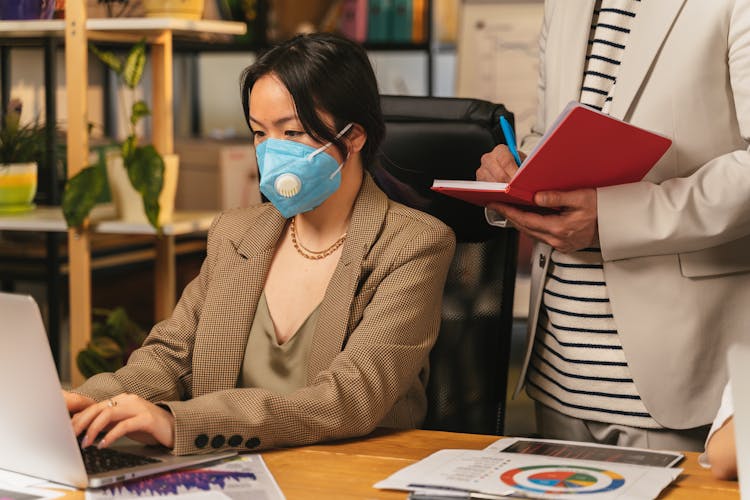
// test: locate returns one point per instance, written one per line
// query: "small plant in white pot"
(142, 182)
(21, 147)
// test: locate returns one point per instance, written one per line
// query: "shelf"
(179, 27)
(50, 219)
(74, 34)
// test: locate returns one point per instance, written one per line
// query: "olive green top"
(269, 365)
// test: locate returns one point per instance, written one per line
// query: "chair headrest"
(431, 138)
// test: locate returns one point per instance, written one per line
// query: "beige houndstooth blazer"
(369, 358)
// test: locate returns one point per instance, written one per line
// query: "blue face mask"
(296, 177)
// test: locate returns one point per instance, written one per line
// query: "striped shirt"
(578, 366)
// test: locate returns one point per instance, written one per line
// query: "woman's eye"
(257, 134)
(293, 133)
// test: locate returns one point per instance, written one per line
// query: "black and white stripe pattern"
(610, 28)
(578, 366)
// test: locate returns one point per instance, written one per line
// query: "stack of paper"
(507, 469)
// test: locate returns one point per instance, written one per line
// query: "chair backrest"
(429, 138)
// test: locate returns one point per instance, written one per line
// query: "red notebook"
(583, 149)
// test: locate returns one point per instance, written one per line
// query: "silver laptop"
(35, 432)
(739, 374)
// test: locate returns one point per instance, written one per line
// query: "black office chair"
(429, 138)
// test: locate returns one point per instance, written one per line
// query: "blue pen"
(510, 139)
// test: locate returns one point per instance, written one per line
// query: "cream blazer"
(676, 246)
(369, 357)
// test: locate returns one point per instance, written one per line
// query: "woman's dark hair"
(325, 72)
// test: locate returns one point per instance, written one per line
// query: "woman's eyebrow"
(277, 122)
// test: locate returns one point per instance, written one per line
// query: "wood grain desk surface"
(348, 469)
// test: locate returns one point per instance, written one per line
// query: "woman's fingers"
(140, 428)
(76, 402)
(99, 424)
(497, 166)
(82, 420)
(125, 415)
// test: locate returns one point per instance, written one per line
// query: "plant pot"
(17, 187)
(128, 201)
(13, 10)
(185, 9)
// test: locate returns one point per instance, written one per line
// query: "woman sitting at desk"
(313, 316)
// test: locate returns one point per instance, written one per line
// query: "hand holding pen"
(501, 164)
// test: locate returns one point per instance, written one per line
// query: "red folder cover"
(583, 149)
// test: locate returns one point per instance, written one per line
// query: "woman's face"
(273, 114)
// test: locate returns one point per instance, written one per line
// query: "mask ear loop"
(341, 165)
(328, 145)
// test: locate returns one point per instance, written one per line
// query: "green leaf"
(90, 363)
(132, 72)
(140, 109)
(110, 59)
(106, 347)
(80, 195)
(146, 173)
(128, 148)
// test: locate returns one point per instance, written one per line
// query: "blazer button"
(542, 260)
(235, 440)
(253, 442)
(201, 441)
(217, 441)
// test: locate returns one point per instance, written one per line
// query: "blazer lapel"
(230, 308)
(652, 23)
(332, 326)
(574, 26)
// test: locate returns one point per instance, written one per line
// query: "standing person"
(313, 315)
(637, 289)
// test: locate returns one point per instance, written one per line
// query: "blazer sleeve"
(382, 357)
(707, 209)
(161, 369)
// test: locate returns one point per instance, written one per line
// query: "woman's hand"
(722, 452)
(125, 415)
(76, 402)
(573, 227)
(498, 165)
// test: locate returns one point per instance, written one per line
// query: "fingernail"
(85, 442)
(101, 444)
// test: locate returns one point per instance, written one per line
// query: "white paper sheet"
(531, 476)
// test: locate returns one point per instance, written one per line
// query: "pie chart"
(562, 479)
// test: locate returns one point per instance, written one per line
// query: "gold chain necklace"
(313, 254)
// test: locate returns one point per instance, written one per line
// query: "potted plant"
(21, 147)
(138, 176)
(112, 342)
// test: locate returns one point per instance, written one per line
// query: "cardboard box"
(216, 174)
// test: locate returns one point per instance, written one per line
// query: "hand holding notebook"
(582, 149)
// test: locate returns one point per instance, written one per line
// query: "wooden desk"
(348, 469)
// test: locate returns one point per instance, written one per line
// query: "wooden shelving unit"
(77, 31)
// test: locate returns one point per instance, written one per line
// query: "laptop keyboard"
(105, 460)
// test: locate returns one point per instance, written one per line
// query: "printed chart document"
(241, 477)
(453, 473)
(582, 149)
